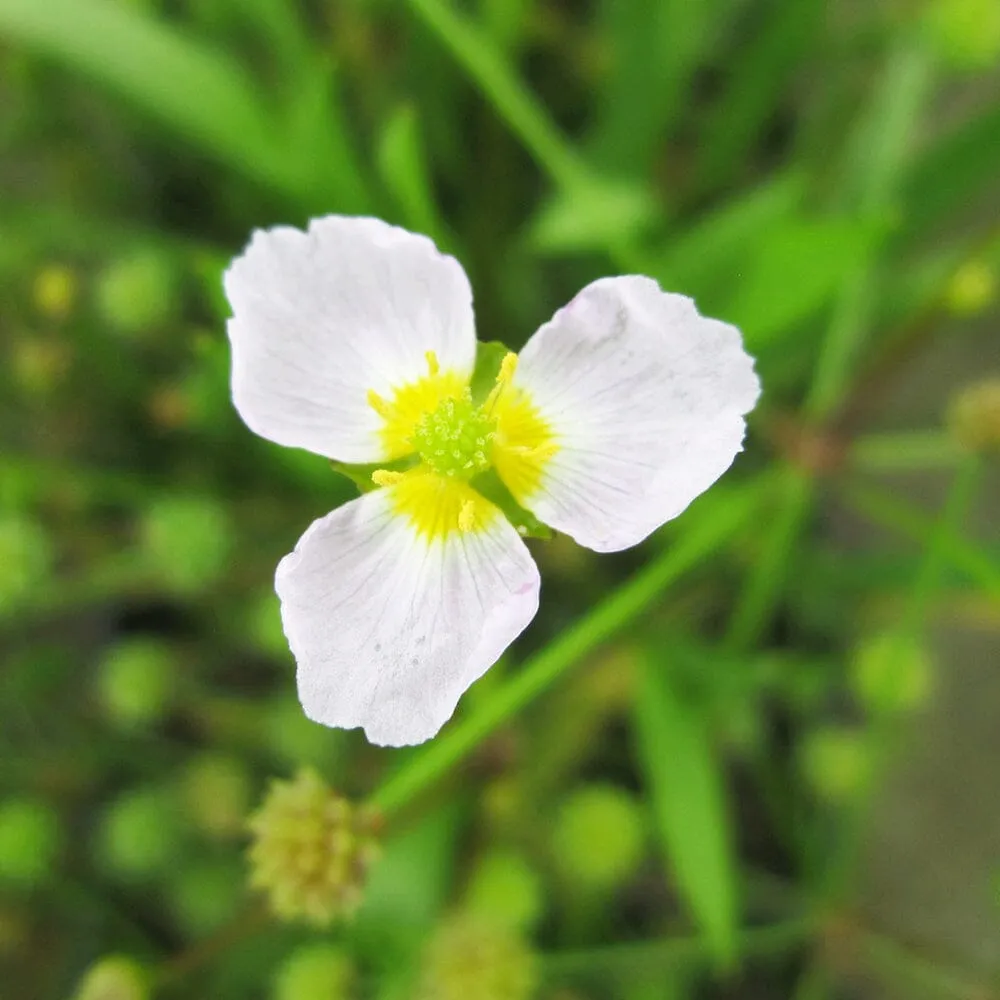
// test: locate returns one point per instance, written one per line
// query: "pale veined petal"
(323, 319)
(392, 616)
(623, 408)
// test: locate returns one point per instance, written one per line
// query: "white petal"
(322, 317)
(645, 400)
(389, 629)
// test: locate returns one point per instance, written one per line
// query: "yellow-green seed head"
(456, 438)
(311, 850)
(891, 672)
(114, 977)
(599, 837)
(836, 762)
(974, 416)
(972, 288)
(315, 972)
(472, 957)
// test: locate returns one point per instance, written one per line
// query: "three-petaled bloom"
(356, 340)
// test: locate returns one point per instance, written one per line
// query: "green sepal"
(361, 475)
(484, 374)
(491, 486)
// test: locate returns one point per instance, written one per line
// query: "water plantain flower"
(356, 340)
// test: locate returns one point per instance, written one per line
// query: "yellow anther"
(383, 477)
(433, 366)
(467, 516)
(379, 405)
(504, 377)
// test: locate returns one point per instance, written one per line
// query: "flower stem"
(581, 638)
(659, 957)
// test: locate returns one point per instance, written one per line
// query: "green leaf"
(407, 890)
(656, 46)
(402, 164)
(688, 796)
(199, 92)
(704, 259)
(797, 269)
(957, 170)
(590, 215)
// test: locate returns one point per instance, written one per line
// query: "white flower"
(356, 340)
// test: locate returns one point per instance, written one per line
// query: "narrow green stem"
(500, 85)
(912, 971)
(948, 525)
(581, 638)
(905, 451)
(885, 729)
(888, 510)
(661, 956)
(782, 528)
(880, 145)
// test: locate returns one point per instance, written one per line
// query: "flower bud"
(140, 833)
(135, 681)
(974, 416)
(891, 673)
(314, 972)
(138, 292)
(471, 957)
(54, 291)
(836, 763)
(972, 289)
(599, 837)
(506, 889)
(114, 977)
(206, 895)
(966, 33)
(187, 541)
(30, 841)
(215, 790)
(26, 557)
(311, 850)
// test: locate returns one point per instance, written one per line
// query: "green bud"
(138, 293)
(26, 558)
(30, 842)
(506, 889)
(54, 291)
(471, 957)
(205, 896)
(215, 790)
(114, 977)
(891, 673)
(836, 763)
(599, 837)
(966, 33)
(972, 289)
(140, 833)
(187, 541)
(135, 681)
(314, 972)
(974, 416)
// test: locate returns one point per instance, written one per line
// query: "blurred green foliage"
(670, 776)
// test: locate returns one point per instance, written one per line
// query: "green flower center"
(456, 438)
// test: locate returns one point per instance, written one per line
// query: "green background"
(754, 757)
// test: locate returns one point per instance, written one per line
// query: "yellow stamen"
(384, 477)
(432, 363)
(467, 515)
(504, 377)
(379, 405)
